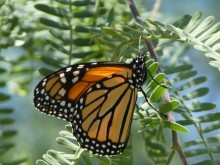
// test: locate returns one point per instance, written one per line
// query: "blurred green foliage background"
(36, 132)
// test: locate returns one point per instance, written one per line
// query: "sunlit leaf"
(41, 162)
(153, 68)
(168, 106)
(149, 120)
(58, 157)
(175, 126)
(194, 21)
(67, 135)
(67, 143)
(50, 159)
(206, 23)
(157, 94)
(201, 34)
(158, 79)
(209, 32)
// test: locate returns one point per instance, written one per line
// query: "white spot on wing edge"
(75, 79)
(61, 75)
(75, 73)
(68, 69)
(63, 80)
(80, 66)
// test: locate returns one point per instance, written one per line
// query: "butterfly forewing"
(50, 95)
(57, 94)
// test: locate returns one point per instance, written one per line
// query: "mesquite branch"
(175, 142)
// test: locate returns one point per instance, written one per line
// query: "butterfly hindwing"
(57, 93)
(102, 121)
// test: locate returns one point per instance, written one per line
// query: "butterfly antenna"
(139, 46)
(148, 101)
(155, 80)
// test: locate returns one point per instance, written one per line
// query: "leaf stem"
(170, 157)
(175, 142)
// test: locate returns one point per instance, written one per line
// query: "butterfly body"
(97, 98)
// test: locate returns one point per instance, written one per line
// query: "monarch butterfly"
(97, 98)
